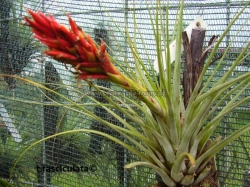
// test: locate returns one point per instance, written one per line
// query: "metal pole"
(126, 159)
(228, 21)
(42, 117)
(226, 120)
(43, 134)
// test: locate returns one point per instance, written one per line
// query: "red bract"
(74, 47)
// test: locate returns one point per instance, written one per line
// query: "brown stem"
(193, 61)
(187, 74)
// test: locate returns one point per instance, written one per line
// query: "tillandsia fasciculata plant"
(175, 139)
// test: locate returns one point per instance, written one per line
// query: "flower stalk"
(76, 48)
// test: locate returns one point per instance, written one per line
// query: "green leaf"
(130, 148)
(176, 82)
(4, 183)
(176, 171)
(187, 180)
(204, 158)
(166, 179)
(202, 175)
(166, 147)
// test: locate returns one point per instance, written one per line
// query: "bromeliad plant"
(175, 140)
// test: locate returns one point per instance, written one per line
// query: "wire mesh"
(27, 113)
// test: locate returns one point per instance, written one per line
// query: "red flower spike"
(91, 42)
(81, 33)
(64, 45)
(81, 53)
(46, 39)
(73, 26)
(84, 43)
(89, 67)
(102, 49)
(66, 33)
(92, 76)
(89, 64)
(54, 26)
(92, 70)
(44, 17)
(51, 45)
(37, 33)
(109, 67)
(61, 55)
(72, 50)
(38, 27)
(39, 19)
(48, 42)
(90, 55)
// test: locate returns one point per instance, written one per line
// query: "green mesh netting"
(27, 113)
